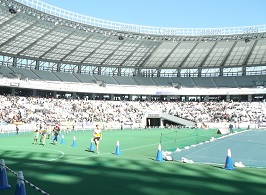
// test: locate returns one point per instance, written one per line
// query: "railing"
(124, 27)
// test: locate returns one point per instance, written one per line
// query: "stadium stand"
(229, 82)
(106, 79)
(162, 81)
(6, 72)
(204, 82)
(144, 80)
(184, 81)
(25, 73)
(61, 67)
(261, 80)
(66, 77)
(74, 59)
(246, 81)
(46, 75)
(84, 78)
(117, 112)
(122, 80)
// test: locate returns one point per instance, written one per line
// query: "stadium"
(179, 88)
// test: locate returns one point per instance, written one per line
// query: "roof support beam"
(131, 54)
(36, 41)
(158, 72)
(208, 54)
(118, 71)
(145, 59)
(99, 70)
(178, 72)
(221, 72)
(37, 66)
(79, 69)
(199, 72)
(56, 45)
(228, 54)
(15, 60)
(249, 53)
(165, 59)
(8, 21)
(119, 46)
(87, 57)
(58, 67)
(244, 71)
(73, 50)
(14, 36)
(185, 59)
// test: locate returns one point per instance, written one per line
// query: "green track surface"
(65, 170)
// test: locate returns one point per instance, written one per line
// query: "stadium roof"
(31, 29)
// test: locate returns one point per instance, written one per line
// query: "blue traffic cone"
(74, 142)
(92, 148)
(117, 149)
(63, 140)
(20, 187)
(228, 162)
(159, 156)
(58, 138)
(3, 177)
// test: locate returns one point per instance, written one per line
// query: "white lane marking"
(62, 153)
(110, 153)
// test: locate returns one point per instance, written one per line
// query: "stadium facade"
(50, 52)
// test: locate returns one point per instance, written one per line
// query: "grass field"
(65, 170)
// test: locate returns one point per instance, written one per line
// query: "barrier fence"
(20, 189)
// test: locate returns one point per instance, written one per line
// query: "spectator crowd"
(34, 109)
